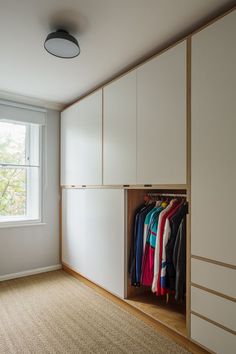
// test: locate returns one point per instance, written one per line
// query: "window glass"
(13, 192)
(20, 171)
(13, 143)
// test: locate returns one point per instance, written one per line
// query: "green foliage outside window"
(12, 179)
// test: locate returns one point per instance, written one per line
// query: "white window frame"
(15, 221)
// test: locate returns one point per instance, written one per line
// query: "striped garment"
(158, 249)
(146, 223)
(148, 257)
(166, 237)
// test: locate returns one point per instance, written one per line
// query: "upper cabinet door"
(161, 118)
(213, 141)
(81, 142)
(120, 131)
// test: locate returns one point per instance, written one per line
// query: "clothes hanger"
(158, 202)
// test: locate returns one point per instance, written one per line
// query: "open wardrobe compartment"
(157, 243)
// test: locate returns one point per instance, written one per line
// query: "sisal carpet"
(54, 313)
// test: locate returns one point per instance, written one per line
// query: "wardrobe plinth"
(171, 314)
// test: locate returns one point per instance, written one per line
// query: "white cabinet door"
(69, 138)
(81, 142)
(120, 131)
(93, 235)
(161, 118)
(213, 180)
(213, 141)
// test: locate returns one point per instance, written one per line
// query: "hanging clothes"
(179, 261)
(175, 222)
(149, 252)
(166, 237)
(132, 257)
(136, 251)
(146, 223)
(158, 248)
(139, 241)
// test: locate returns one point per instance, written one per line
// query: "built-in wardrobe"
(167, 127)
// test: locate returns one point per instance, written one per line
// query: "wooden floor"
(171, 315)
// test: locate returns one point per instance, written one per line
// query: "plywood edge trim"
(127, 186)
(188, 179)
(194, 347)
(227, 297)
(213, 322)
(60, 194)
(127, 70)
(102, 137)
(213, 261)
(213, 20)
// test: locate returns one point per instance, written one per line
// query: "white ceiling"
(113, 35)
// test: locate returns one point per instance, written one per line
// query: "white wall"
(30, 247)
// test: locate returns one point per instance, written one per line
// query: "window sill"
(20, 223)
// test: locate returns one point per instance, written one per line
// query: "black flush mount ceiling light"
(61, 44)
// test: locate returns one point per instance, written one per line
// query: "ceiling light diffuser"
(61, 44)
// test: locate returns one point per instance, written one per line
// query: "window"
(20, 171)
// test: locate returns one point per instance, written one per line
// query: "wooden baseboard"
(184, 342)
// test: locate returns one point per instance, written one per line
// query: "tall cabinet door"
(213, 141)
(81, 142)
(120, 131)
(93, 235)
(213, 183)
(161, 118)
